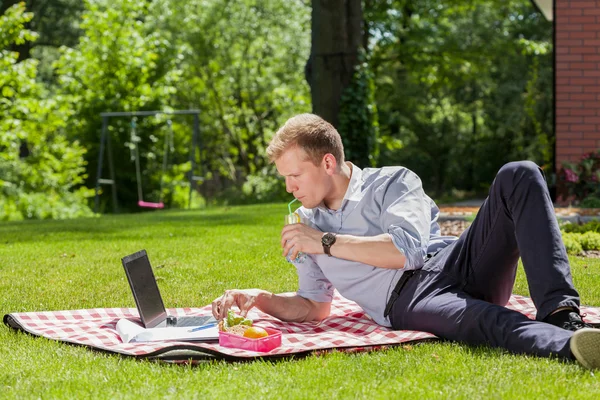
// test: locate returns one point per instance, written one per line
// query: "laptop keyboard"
(192, 321)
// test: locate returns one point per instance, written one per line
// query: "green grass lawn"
(57, 265)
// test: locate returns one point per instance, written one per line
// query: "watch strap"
(327, 244)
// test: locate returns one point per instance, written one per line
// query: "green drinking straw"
(290, 205)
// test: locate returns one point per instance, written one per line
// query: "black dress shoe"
(567, 319)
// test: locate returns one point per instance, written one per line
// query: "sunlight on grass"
(53, 265)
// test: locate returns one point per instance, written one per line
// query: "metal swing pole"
(100, 157)
(111, 173)
(136, 153)
(105, 144)
(167, 146)
(193, 157)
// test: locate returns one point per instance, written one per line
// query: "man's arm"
(286, 306)
(292, 308)
(378, 251)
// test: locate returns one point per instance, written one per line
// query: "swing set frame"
(105, 146)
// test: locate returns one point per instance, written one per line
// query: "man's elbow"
(394, 258)
(319, 311)
(323, 313)
(394, 262)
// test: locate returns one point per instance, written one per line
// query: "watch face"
(328, 239)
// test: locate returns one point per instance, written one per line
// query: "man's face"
(306, 181)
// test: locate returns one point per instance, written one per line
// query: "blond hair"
(311, 133)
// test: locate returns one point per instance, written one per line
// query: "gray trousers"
(461, 292)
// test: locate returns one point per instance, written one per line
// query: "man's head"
(312, 134)
(308, 152)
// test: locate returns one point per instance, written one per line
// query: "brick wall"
(577, 52)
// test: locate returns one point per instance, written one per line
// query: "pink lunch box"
(262, 345)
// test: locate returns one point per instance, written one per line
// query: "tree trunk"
(336, 38)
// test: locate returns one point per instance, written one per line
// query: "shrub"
(590, 241)
(575, 242)
(571, 241)
(590, 202)
(41, 172)
(592, 226)
(582, 180)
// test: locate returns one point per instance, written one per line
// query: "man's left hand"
(300, 238)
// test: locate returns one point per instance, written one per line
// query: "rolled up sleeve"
(406, 217)
(312, 283)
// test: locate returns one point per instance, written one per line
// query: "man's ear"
(329, 163)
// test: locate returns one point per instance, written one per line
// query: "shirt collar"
(352, 190)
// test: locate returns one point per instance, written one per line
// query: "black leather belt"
(406, 275)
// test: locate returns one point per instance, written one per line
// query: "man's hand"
(285, 306)
(300, 238)
(245, 300)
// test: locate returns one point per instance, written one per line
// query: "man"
(373, 235)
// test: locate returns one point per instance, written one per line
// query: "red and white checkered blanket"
(348, 328)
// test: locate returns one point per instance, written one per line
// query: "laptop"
(147, 297)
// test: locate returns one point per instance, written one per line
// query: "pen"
(203, 327)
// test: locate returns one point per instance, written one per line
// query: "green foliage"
(263, 186)
(239, 62)
(582, 179)
(576, 242)
(57, 24)
(590, 202)
(41, 170)
(243, 67)
(451, 89)
(592, 226)
(358, 124)
(134, 68)
(175, 186)
(581, 237)
(465, 85)
(590, 241)
(572, 243)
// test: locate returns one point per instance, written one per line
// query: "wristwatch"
(327, 240)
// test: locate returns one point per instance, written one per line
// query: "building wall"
(577, 24)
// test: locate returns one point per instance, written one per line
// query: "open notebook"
(130, 332)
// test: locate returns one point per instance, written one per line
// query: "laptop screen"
(144, 288)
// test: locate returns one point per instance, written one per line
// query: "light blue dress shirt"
(378, 200)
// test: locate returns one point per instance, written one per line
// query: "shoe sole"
(585, 346)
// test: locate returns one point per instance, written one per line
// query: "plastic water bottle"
(294, 218)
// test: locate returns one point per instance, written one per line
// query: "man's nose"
(289, 187)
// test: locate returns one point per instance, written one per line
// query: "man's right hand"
(285, 306)
(245, 300)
